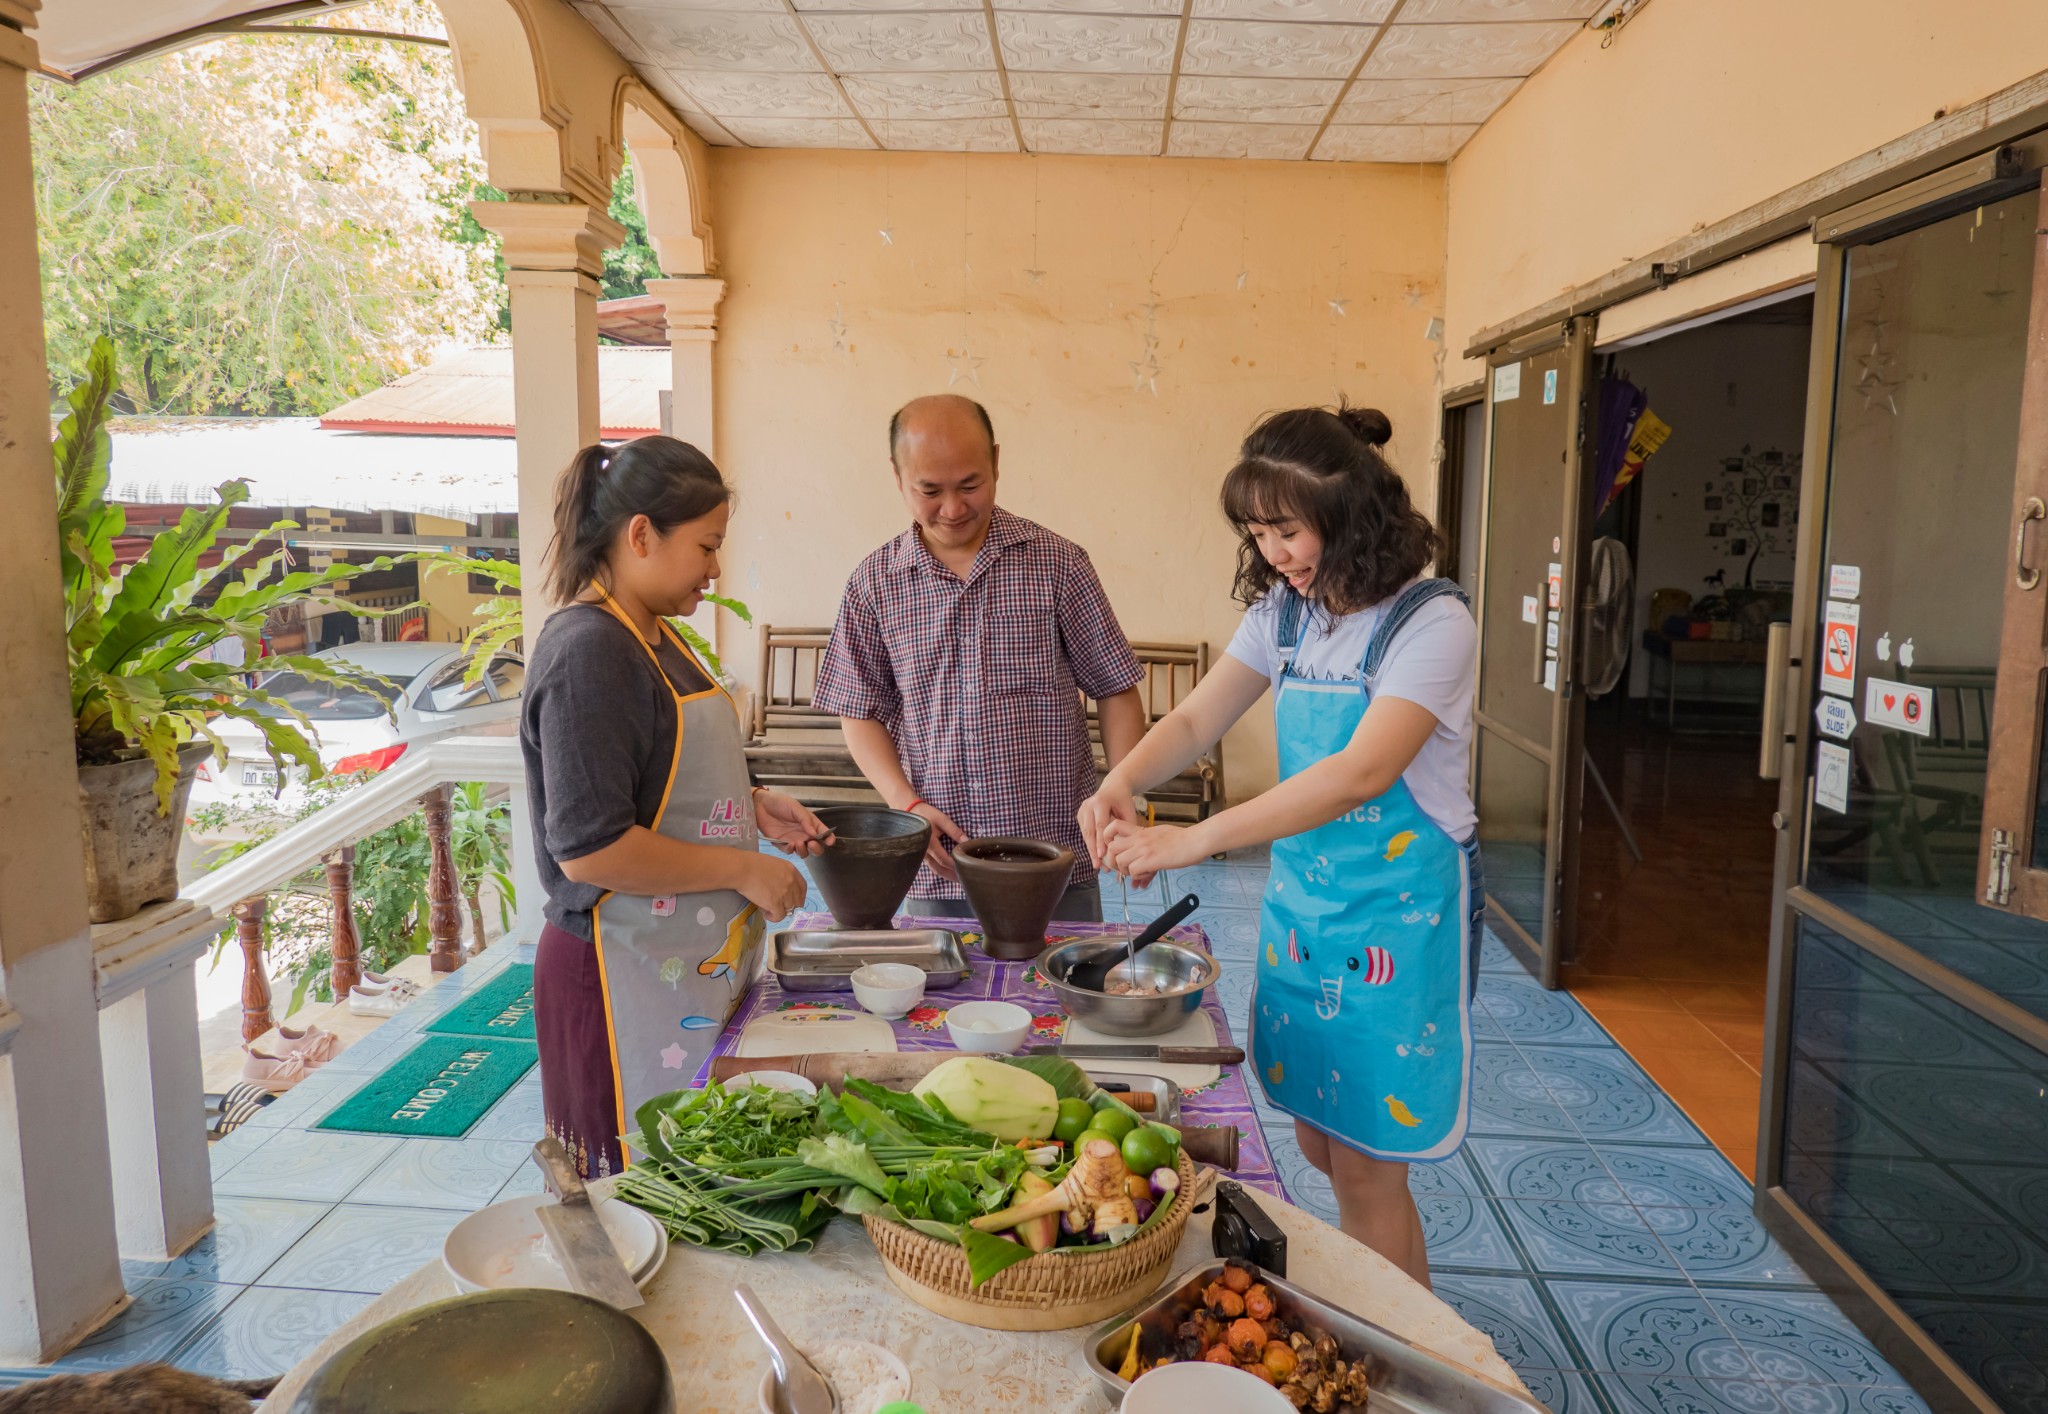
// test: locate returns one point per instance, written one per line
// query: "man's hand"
(943, 829)
(789, 825)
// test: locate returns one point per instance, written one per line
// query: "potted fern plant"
(144, 680)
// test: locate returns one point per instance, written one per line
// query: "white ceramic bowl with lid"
(1212, 1389)
(889, 989)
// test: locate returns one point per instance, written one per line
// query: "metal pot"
(131, 851)
(1185, 973)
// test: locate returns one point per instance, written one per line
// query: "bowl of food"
(888, 989)
(988, 1028)
(787, 1081)
(862, 1374)
(1166, 984)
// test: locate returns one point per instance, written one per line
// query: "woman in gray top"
(647, 826)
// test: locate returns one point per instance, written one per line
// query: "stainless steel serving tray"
(824, 960)
(1406, 1379)
(1165, 1093)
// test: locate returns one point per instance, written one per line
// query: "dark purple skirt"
(576, 1089)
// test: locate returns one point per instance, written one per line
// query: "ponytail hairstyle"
(1323, 468)
(667, 481)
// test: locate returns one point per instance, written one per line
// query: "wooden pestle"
(1214, 1144)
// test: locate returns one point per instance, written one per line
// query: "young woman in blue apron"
(1369, 936)
(647, 828)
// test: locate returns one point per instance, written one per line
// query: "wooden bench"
(798, 748)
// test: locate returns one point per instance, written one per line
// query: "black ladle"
(1090, 976)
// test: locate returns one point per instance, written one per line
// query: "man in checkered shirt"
(960, 657)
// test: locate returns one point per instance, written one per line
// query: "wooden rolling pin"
(1214, 1144)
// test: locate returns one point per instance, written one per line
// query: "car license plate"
(258, 776)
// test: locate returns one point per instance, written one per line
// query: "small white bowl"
(1213, 1389)
(785, 1080)
(988, 1028)
(889, 989)
(502, 1246)
(774, 1402)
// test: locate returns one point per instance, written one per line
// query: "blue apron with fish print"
(1360, 1019)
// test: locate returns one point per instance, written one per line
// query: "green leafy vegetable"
(835, 1153)
(988, 1254)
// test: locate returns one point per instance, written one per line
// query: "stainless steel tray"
(824, 960)
(1406, 1379)
(1165, 1093)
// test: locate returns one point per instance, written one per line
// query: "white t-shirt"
(1433, 662)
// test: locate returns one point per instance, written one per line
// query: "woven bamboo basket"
(1049, 1292)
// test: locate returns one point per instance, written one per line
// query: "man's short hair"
(896, 423)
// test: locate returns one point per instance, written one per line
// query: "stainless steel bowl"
(1183, 973)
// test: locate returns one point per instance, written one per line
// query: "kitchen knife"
(1169, 1055)
(576, 1234)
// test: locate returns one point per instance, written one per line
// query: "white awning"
(294, 462)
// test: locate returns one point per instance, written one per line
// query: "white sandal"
(379, 1001)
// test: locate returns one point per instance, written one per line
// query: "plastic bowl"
(988, 1028)
(787, 1080)
(1213, 1389)
(889, 989)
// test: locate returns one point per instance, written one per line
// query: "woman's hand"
(1109, 805)
(789, 825)
(935, 852)
(1140, 854)
(774, 886)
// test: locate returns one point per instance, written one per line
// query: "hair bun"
(1368, 425)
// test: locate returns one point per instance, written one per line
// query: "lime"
(1115, 1123)
(1145, 1150)
(1075, 1116)
(1086, 1136)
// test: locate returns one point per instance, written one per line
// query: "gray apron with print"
(674, 967)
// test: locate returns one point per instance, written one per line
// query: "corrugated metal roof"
(635, 319)
(469, 394)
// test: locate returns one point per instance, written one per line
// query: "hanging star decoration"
(1877, 379)
(1036, 277)
(964, 365)
(1145, 369)
(1337, 305)
(1242, 276)
(837, 324)
(888, 235)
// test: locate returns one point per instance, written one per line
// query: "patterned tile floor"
(1588, 1227)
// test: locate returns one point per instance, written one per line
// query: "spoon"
(1090, 976)
(806, 1390)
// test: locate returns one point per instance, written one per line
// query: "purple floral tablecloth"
(1225, 1102)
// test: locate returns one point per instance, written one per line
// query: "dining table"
(839, 1289)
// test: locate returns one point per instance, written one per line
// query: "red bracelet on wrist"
(911, 808)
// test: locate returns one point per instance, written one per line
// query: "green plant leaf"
(732, 606)
(1067, 1079)
(83, 452)
(988, 1254)
(153, 584)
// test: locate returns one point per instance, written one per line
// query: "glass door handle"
(2026, 578)
(1542, 630)
(1777, 666)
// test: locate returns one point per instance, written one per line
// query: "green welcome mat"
(503, 1006)
(439, 1088)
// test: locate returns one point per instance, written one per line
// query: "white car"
(355, 732)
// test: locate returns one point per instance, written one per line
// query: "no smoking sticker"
(1838, 650)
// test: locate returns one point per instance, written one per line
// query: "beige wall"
(827, 328)
(1699, 109)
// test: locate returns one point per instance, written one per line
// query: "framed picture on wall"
(1738, 547)
(1713, 503)
(1781, 482)
(1717, 529)
(1770, 514)
(1751, 486)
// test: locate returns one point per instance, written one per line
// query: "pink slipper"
(317, 1047)
(276, 1074)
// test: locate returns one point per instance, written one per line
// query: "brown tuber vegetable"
(1246, 1339)
(1295, 1395)
(1258, 1303)
(1093, 1184)
(1139, 1187)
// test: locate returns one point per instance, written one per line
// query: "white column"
(62, 1272)
(554, 252)
(691, 303)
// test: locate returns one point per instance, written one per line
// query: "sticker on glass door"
(1900, 705)
(1831, 777)
(1838, 650)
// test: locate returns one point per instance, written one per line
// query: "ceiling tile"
(962, 135)
(1102, 7)
(1114, 96)
(1466, 51)
(1273, 50)
(614, 33)
(1342, 12)
(708, 128)
(1092, 137)
(1422, 12)
(1096, 44)
(855, 44)
(920, 96)
(799, 132)
(699, 39)
(1254, 100)
(1359, 142)
(761, 95)
(623, 10)
(1425, 100)
(1278, 141)
(809, 6)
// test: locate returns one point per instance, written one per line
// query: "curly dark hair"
(1322, 467)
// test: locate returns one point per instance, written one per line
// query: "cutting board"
(1198, 1030)
(811, 1029)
